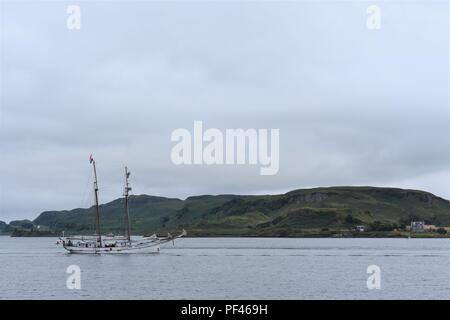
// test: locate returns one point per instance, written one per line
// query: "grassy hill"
(4, 228)
(304, 212)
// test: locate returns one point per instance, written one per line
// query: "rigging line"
(133, 181)
(90, 201)
(83, 200)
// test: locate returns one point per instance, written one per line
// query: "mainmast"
(125, 194)
(96, 201)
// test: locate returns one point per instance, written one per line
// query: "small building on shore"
(360, 228)
(418, 226)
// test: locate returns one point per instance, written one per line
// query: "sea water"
(232, 268)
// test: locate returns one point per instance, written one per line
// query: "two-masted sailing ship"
(114, 244)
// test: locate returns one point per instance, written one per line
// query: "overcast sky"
(354, 106)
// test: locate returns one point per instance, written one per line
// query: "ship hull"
(146, 248)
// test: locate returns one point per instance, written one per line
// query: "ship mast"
(125, 194)
(96, 202)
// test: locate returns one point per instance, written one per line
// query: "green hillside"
(304, 212)
(4, 228)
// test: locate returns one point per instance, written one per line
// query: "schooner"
(114, 244)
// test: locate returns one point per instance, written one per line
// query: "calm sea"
(232, 268)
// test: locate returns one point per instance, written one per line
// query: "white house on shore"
(417, 226)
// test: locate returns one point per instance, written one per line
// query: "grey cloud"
(353, 106)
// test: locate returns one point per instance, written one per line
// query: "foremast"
(97, 211)
(127, 189)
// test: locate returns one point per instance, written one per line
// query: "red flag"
(91, 158)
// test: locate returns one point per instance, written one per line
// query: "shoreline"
(312, 236)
